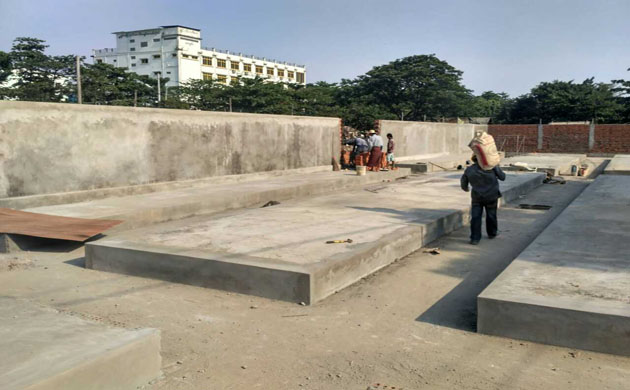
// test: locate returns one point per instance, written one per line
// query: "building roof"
(179, 25)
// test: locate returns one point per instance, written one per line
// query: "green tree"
(39, 77)
(5, 66)
(490, 104)
(109, 85)
(414, 87)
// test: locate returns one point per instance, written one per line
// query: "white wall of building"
(176, 52)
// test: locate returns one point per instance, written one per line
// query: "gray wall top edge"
(23, 105)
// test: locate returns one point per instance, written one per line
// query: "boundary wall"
(417, 140)
(55, 148)
(593, 138)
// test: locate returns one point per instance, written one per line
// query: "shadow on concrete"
(478, 266)
(78, 262)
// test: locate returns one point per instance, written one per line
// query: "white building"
(175, 52)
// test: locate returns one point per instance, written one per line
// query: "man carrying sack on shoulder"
(485, 195)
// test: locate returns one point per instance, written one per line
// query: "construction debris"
(349, 241)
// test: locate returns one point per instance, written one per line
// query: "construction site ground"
(408, 326)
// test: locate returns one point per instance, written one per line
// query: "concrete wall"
(429, 138)
(47, 148)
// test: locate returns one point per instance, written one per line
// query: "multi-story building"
(175, 52)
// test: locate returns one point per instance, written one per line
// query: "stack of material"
(486, 151)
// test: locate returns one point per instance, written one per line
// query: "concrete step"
(619, 165)
(43, 349)
(280, 252)
(149, 208)
(571, 286)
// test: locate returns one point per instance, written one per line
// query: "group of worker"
(370, 151)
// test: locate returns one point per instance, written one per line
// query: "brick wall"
(515, 138)
(612, 139)
(562, 138)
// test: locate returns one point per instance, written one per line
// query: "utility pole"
(230, 104)
(135, 98)
(159, 92)
(79, 92)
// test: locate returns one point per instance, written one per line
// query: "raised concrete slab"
(433, 163)
(280, 252)
(571, 286)
(553, 163)
(42, 349)
(145, 209)
(619, 165)
(31, 201)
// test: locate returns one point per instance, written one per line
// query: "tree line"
(414, 88)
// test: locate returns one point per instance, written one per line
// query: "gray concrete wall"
(429, 138)
(48, 148)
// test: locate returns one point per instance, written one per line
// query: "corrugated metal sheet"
(52, 226)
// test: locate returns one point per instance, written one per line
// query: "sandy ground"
(409, 326)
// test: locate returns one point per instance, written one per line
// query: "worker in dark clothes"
(485, 195)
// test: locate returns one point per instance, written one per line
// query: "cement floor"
(411, 325)
(571, 286)
(41, 348)
(384, 222)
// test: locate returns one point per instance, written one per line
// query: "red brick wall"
(565, 139)
(562, 138)
(612, 139)
(506, 139)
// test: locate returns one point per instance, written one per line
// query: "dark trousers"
(491, 218)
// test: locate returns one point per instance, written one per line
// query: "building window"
(174, 54)
(115, 61)
(132, 40)
(156, 56)
(221, 63)
(132, 49)
(133, 57)
(280, 72)
(133, 64)
(144, 44)
(144, 60)
(291, 75)
(300, 77)
(269, 71)
(156, 39)
(234, 65)
(259, 69)
(168, 72)
(207, 61)
(99, 61)
(222, 79)
(247, 67)
(206, 76)
(188, 56)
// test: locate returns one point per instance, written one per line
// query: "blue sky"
(507, 45)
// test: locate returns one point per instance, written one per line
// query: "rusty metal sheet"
(52, 226)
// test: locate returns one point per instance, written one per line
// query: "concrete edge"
(564, 327)
(235, 273)
(129, 366)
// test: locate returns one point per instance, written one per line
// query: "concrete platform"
(571, 286)
(145, 209)
(619, 165)
(42, 349)
(553, 163)
(434, 163)
(280, 252)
